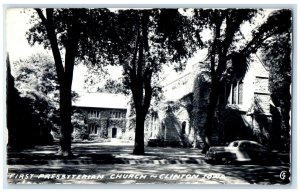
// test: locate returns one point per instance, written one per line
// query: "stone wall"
(252, 119)
(104, 121)
(236, 122)
(262, 95)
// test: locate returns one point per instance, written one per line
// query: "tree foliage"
(112, 86)
(277, 56)
(37, 83)
(30, 113)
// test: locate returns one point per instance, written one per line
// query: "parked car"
(238, 151)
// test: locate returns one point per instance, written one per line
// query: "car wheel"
(228, 161)
(222, 160)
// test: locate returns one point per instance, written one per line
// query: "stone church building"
(180, 119)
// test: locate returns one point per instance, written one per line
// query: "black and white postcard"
(149, 95)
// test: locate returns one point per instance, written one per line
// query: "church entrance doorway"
(114, 133)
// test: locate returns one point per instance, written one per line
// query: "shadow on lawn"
(94, 158)
(102, 154)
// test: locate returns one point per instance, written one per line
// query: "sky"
(17, 23)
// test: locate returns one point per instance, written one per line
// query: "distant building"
(104, 114)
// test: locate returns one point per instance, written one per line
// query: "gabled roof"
(101, 100)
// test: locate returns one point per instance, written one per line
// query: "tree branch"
(41, 15)
(53, 41)
(254, 44)
(71, 49)
(132, 70)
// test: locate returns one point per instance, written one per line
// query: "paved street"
(97, 163)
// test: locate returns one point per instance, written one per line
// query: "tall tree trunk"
(140, 76)
(139, 148)
(142, 93)
(65, 116)
(66, 91)
(213, 98)
(210, 116)
(216, 51)
(64, 74)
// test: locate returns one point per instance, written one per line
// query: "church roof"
(101, 100)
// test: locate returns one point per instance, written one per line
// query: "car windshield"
(234, 144)
(257, 146)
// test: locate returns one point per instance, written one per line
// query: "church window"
(236, 94)
(93, 129)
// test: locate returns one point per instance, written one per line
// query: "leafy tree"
(70, 31)
(37, 83)
(102, 81)
(30, 113)
(36, 73)
(277, 55)
(143, 41)
(112, 86)
(228, 59)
